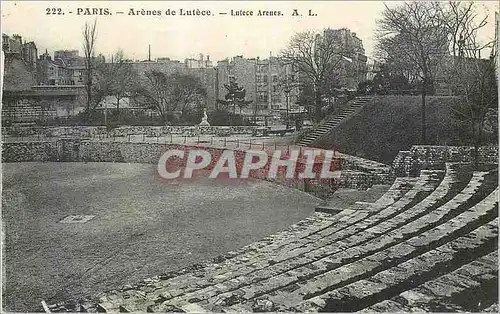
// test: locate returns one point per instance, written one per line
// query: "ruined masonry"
(429, 243)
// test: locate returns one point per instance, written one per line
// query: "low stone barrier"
(94, 131)
(409, 163)
(96, 151)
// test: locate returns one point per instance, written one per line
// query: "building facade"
(269, 83)
(20, 62)
(66, 68)
(353, 66)
(200, 63)
(168, 66)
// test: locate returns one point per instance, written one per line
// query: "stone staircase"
(352, 108)
(429, 243)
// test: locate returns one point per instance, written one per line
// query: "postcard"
(249, 156)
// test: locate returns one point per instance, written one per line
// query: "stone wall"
(409, 163)
(95, 151)
(94, 131)
(29, 151)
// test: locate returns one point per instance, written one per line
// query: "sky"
(179, 37)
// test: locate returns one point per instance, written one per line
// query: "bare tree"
(415, 32)
(123, 78)
(317, 57)
(472, 78)
(89, 40)
(188, 92)
(168, 93)
(463, 22)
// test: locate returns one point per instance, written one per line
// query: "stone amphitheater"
(426, 243)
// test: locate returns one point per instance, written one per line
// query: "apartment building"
(269, 83)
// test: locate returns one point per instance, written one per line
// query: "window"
(276, 88)
(276, 99)
(265, 78)
(262, 97)
(275, 78)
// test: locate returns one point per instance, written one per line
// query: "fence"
(242, 143)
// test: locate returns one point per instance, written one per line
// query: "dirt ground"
(142, 226)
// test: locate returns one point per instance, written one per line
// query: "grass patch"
(389, 124)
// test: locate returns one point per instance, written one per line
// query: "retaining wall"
(94, 131)
(409, 163)
(96, 151)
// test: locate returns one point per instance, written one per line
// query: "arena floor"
(141, 226)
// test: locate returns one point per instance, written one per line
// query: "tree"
(318, 58)
(117, 79)
(414, 34)
(123, 78)
(188, 92)
(89, 40)
(472, 78)
(235, 96)
(170, 92)
(461, 21)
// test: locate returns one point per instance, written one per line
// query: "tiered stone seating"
(454, 291)
(394, 253)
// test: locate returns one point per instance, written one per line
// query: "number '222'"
(53, 11)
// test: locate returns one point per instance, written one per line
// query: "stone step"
(326, 286)
(343, 198)
(465, 289)
(274, 267)
(352, 249)
(423, 269)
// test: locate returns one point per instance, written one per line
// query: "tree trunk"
(118, 108)
(423, 122)
(89, 101)
(477, 136)
(317, 105)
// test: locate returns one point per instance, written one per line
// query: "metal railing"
(243, 143)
